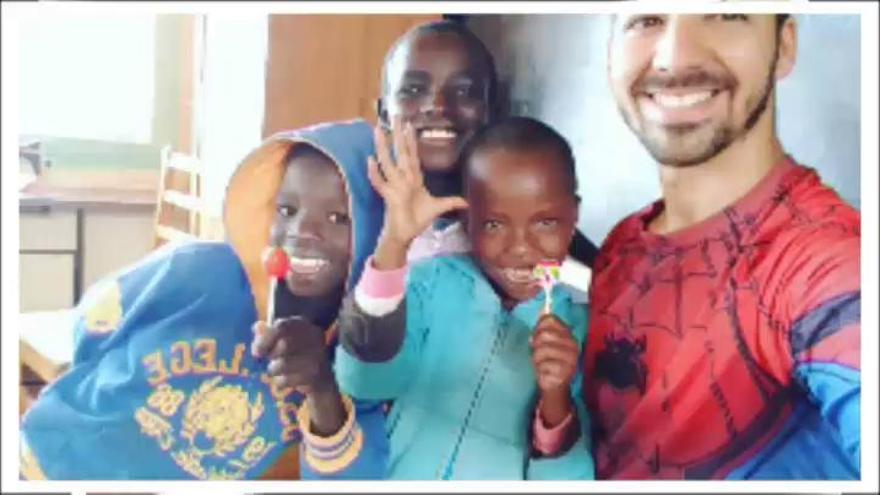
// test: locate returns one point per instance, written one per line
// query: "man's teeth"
(307, 265)
(518, 275)
(438, 134)
(681, 101)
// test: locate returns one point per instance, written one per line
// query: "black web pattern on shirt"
(740, 244)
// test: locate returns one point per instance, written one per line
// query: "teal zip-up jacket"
(463, 384)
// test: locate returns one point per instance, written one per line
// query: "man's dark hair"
(780, 21)
(473, 42)
(523, 134)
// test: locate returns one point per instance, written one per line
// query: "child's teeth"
(518, 274)
(438, 134)
(308, 262)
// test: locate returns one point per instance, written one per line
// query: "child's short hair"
(461, 31)
(302, 150)
(522, 134)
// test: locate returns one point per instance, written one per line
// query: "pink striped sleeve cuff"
(379, 292)
(548, 441)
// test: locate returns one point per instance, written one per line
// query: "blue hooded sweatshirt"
(162, 384)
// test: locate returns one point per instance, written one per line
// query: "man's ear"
(788, 47)
(382, 114)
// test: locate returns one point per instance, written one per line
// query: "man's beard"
(722, 136)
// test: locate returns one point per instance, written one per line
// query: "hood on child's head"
(251, 196)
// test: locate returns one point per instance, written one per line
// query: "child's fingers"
(406, 161)
(551, 375)
(551, 321)
(413, 149)
(550, 327)
(558, 344)
(555, 337)
(295, 380)
(375, 177)
(553, 368)
(281, 348)
(290, 365)
(556, 347)
(548, 380)
(259, 327)
(386, 164)
(443, 205)
(264, 339)
(555, 355)
(381, 141)
(401, 150)
(298, 371)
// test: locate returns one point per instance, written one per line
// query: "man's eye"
(734, 17)
(286, 211)
(339, 218)
(643, 22)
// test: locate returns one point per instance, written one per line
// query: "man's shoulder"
(811, 249)
(627, 231)
(814, 206)
(814, 223)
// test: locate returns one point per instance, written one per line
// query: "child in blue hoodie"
(162, 385)
(463, 344)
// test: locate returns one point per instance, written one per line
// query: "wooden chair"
(179, 207)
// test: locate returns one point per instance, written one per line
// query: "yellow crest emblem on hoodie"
(105, 315)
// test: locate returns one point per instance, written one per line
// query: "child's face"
(521, 212)
(438, 84)
(312, 223)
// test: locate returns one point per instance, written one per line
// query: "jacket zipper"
(496, 345)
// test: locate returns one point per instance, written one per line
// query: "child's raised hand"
(409, 207)
(296, 352)
(555, 355)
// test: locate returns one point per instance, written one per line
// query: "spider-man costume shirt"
(730, 349)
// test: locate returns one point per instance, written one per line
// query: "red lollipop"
(276, 261)
(277, 264)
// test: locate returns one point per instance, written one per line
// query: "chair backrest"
(179, 207)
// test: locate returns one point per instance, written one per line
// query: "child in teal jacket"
(478, 370)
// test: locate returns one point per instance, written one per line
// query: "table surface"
(37, 195)
(46, 341)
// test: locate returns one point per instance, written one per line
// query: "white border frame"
(869, 208)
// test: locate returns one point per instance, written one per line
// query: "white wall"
(230, 117)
